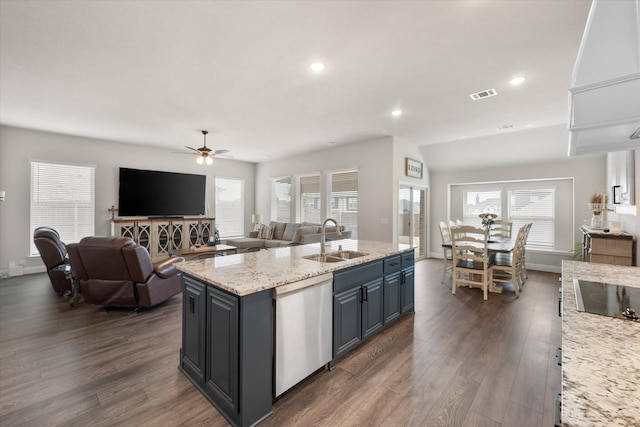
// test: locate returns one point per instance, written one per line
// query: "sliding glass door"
(412, 218)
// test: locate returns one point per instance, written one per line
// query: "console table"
(607, 248)
(162, 235)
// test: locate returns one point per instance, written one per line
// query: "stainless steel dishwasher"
(304, 312)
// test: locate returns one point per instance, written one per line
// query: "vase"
(596, 220)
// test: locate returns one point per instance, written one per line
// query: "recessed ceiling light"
(396, 113)
(317, 67)
(505, 127)
(516, 81)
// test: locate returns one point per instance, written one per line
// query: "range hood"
(604, 99)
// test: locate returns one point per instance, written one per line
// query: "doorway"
(412, 218)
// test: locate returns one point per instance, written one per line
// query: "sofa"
(279, 234)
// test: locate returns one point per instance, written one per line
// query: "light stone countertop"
(252, 272)
(600, 354)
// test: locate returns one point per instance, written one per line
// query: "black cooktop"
(608, 299)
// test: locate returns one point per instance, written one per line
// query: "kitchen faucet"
(323, 233)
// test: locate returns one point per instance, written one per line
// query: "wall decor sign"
(413, 168)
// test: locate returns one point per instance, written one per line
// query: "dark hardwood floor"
(459, 361)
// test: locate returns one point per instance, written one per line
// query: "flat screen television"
(160, 194)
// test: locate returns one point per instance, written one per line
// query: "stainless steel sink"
(347, 254)
(338, 256)
(323, 258)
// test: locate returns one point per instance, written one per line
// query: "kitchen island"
(232, 348)
(600, 354)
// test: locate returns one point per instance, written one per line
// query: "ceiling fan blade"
(216, 152)
(192, 149)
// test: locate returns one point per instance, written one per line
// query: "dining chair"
(507, 268)
(472, 265)
(523, 253)
(501, 229)
(445, 234)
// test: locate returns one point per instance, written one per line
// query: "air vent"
(636, 134)
(505, 127)
(483, 94)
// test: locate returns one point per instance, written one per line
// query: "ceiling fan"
(206, 154)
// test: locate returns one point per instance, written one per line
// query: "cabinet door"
(347, 321)
(392, 297)
(221, 376)
(407, 290)
(372, 307)
(193, 328)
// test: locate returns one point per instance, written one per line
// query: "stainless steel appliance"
(608, 299)
(303, 343)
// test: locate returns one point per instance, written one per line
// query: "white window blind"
(229, 206)
(310, 198)
(344, 197)
(282, 199)
(62, 197)
(538, 207)
(476, 202)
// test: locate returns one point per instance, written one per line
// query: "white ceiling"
(157, 72)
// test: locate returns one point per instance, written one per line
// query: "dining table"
(496, 245)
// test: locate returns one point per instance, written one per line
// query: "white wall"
(378, 162)
(589, 173)
(19, 146)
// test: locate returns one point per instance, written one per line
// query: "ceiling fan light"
(200, 160)
(209, 160)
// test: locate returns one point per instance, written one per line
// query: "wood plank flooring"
(458, 361)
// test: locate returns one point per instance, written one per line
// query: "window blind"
(344, 196)
(62, 197)
(538, 207)
(229, 206)
(282, 198)
(310, 198)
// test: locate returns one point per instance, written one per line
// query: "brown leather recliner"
(115, 271)
(54, 254)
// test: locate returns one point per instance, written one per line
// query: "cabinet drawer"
(611, 259)
(614, 247)
(407, 260)
(356, 276)
(392, 264)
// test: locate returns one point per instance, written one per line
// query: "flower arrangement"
(487, 220)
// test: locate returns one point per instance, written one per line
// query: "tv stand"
(161, 235)
(165, 216)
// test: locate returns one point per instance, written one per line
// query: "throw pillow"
(265, 232)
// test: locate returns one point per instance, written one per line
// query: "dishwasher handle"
(301, 284)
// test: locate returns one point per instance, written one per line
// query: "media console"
(162, 235)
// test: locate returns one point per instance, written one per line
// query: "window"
(547, 203)
(310, 199)
(281, 199)
(477, 202)
(536, 206)
(62, 197)
(229, 206)
(344, 189)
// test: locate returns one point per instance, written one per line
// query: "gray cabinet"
(392, 281)
(407, 283)
(227, 343)
(193, 329)
(357, 305)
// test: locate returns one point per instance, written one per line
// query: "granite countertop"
(247, 273)
(600, 354)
